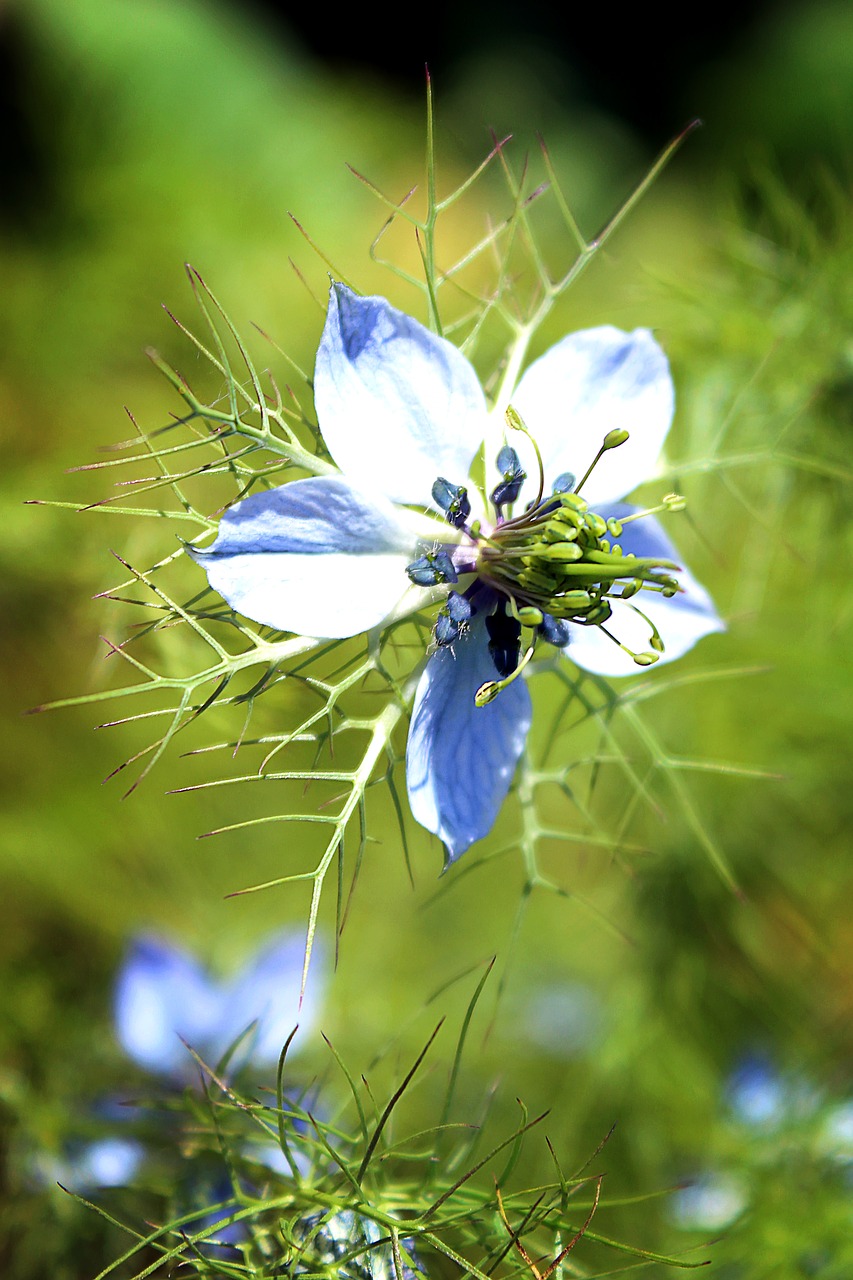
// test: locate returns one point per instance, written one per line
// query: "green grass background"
(179, 133)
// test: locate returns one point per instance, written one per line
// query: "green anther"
(599, 614)
(575, 601)
(542, 584)
(614, 527)
(486, 693)
(558, 551)
(631, 588)
(613, 439)
(573, 501)
(645, 659)
(674, 502)
(559, 531)
(615, 559)
(528, 616)
(513, 419)
(489, 691)
(657, 643)
(596, 524)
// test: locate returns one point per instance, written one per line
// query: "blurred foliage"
(167, 131)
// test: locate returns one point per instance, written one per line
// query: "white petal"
(397, 405)
(317, 557)
(461, 758)
(591, 383)
(682, 620)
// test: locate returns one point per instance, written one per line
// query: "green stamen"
(489, 691)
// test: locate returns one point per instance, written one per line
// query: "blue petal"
(268, 991)
(461, 758)
(161, 994)
(109, 1162)
(590, 383)
(318, 557)
(682, 620)
(397, 405)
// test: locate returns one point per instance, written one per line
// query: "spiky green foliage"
(340, 707)
(437, 1199)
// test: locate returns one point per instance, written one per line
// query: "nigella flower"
(164, 998)
(404, 417)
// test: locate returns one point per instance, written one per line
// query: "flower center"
(554, 564)
(557, 559)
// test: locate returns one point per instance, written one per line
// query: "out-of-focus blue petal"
(710, 1203)
(397, 405)
(110, 1162)
(757, 1093)
(461, 758)
(682, 620)
(318, 557)
(267, 990)
(161, 994)
(590, 383)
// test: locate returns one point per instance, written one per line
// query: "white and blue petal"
(681, 620)
(461, 758)
(267, 991)
(397, 405)
(318, 557)
(162, 995)
(590, 383)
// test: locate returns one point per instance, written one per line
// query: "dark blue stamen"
(514, 476)
(555, 630)
(432, 568)
(564, 483)
(453, 501)
(504, 641)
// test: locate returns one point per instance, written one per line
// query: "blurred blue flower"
(349, 1242)
(85, 1166)
(404, 417)
(757, 1093)
(163, 997)
(710, 1203)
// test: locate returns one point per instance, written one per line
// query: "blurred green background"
(142, 135)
